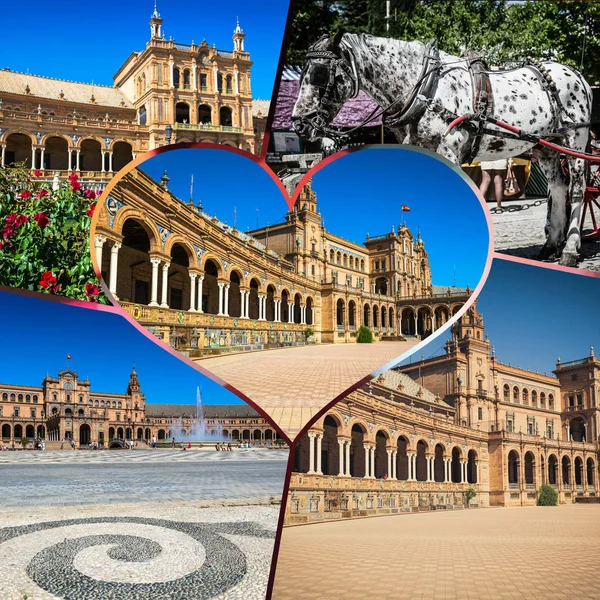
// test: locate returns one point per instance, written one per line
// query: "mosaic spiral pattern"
(220, 564)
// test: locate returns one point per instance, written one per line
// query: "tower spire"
(238, 37)
(156, 24)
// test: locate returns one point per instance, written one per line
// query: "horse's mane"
(365, 42)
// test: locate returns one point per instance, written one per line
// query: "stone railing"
(157, 315)
(121, 124)
(207, 127)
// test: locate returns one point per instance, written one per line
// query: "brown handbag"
(511, 187)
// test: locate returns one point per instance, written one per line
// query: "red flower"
(38, 173)
(1, 244)
(48, 282)
(25, 194)
(89, 194)
(91, 291)
(13, 221)
(90, 210)
(42, 193)
(73, 177)
(41, 219)
(75, 185)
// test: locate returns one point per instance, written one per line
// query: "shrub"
(45, 235)
(365, 335)
(470, 493)
(308, 332)
(547, 496)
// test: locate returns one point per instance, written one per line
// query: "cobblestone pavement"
(83, 477)
(522, 234)
(146, 525)
(149, 551)
(529, 553)
(293, 384)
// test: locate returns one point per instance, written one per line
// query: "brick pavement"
(293, 384)
(532, 553)
(522, 234)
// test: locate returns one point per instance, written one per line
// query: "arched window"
(525, 397)
(20, 397)
(516, 395)
(542, 400)
(142, 116)
(5, 397)
(80, 398)
(533, 398)
(120, 404)
(90, 402)
(506, 393)
(35, 398)
(27, 398)
(551, 401)
(229, 84)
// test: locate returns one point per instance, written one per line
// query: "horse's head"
(329, 78)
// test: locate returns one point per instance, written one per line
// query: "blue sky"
(87, 41)
(38, 334)
(358, 193)
(534, 315)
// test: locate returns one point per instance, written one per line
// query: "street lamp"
(169, 133)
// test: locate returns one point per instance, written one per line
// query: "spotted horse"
(419, 91)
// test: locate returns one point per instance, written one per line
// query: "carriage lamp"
(169, 133)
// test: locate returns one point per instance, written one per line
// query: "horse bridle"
(322, 76)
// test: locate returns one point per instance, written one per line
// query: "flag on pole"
(234, 214)
(405, 208)
(192, 188)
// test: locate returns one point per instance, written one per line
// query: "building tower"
(238, 38)
(156, 25)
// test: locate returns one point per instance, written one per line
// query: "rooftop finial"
(238, 29)
(155, 13)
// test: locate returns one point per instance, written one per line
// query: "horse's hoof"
(569, 259)
(548, 252)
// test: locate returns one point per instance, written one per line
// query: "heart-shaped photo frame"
(292, 308)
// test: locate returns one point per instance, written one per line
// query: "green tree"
(365, 335)
(547, 496)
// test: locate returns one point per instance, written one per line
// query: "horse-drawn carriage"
(465, 112)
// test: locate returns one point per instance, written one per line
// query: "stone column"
(261, 308)
(311, 452)
(199, 299)
(394, 464)
(341, 457)
(103, 160)
(226, 300)
(367, 461)
(303, 315)
(221, 286)
(242, 304)
(4, 155)
(33, 156)
(372, 462)
(319, 441)
(248, 304)
(98, 244)
(348, 444)
(389, 463)
(290, 312)
(110, 155)
(42, 149)
(78, 151)
(114, 259)
(416, 325)
(477, 470)
(193, 292)
(429, 468)
(165, 283)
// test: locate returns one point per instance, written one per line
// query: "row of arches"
(347, 260)
(231, 434)
(556, 471)
(204, 114)
(525, 397)
(18, 431)
(424, 320)
(216, 290)
(59, 153)
(373, 316)
(382, 457)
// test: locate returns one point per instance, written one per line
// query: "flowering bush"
(44, 241)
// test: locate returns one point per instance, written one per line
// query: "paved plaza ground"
(293, 384)
(529, 553)
(144, 524)
(522, 234)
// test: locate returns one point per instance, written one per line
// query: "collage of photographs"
(298, 300)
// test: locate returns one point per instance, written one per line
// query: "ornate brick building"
(167, 93)
(417, 437)
(199, 283)
(66, 408)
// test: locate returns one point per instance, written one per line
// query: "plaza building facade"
(167, 93)
(66, 408)
(204, 286)
(514, 428)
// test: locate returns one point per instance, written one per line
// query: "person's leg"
(499, 187)
(485, 182)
